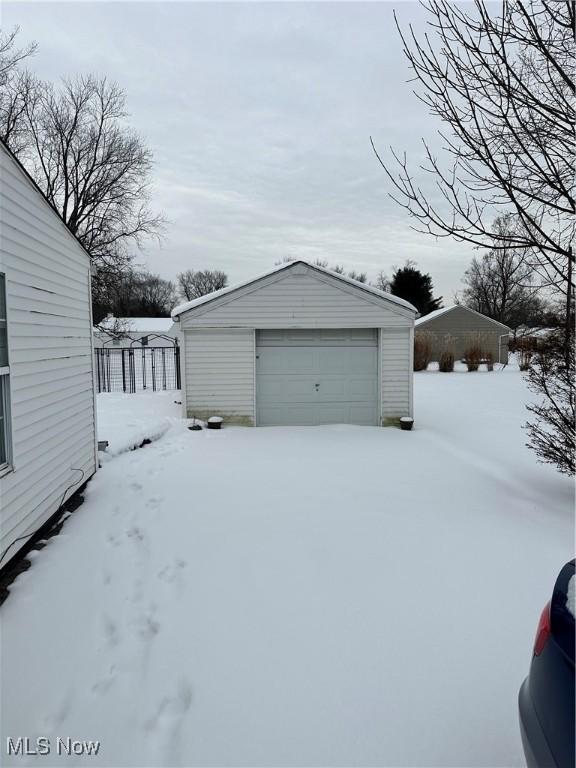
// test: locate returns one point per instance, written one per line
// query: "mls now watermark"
(23, 745)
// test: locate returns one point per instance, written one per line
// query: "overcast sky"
(259, 117)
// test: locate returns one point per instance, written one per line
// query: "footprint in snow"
(169, 721)
(171, 573)
(136, 534)
(104, 685)
(111, 632)
(55, 719)
(171, 710)
(146, 626)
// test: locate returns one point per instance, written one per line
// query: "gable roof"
(33, 183)
(181, 308)
(445, 310)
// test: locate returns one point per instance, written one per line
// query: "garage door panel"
(347, 359)
(292, 360)
(317, 376)
(286, 389)
(366, 389)
(282, 415)
(327, 360)
(362, 415)
(318, 337)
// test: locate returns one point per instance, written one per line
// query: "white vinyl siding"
(396, 373)
(302, 300)
(50, 351)
(219, 371)
(5, 442)
(219, 374)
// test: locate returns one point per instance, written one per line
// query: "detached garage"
(300, 345)
(460, 323)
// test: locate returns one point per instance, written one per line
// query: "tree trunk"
(568, 320)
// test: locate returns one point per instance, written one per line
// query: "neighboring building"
(135, 332)
(460, 323)
(298, 345)
(48, 445)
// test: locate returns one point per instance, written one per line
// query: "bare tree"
(17, 87)
(91, 166)
(137, 293)
(501, 283)
(360, 277)
(502, 84)
(382, 282)
(193, 284)
(156, 296)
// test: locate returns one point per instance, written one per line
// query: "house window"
(115, 342)
(4, 379)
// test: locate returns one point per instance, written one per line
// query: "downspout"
(507, 335)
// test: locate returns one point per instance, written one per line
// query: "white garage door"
(316, 376)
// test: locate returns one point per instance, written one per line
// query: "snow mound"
(126, 421)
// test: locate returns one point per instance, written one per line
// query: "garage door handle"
(317, 386)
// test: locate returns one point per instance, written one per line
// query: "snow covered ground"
(296, 596)
(126, 420)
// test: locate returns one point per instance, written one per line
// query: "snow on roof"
(436, 313)
(444, 310)
(524, 330)
(223, 291)
(138, 324)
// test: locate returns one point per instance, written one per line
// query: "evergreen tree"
(412, 285)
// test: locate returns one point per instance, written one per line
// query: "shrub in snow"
(473, 351)
(490, 361)
(552, 432)
(422, 349)
(446, 361)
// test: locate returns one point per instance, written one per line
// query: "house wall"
(459, 323)
(219, 341)
(52, 403)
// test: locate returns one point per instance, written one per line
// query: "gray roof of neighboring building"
(445, 310)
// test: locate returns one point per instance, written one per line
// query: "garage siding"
(219, 374)
(396, 373)
(304, 300)
(460, 323)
